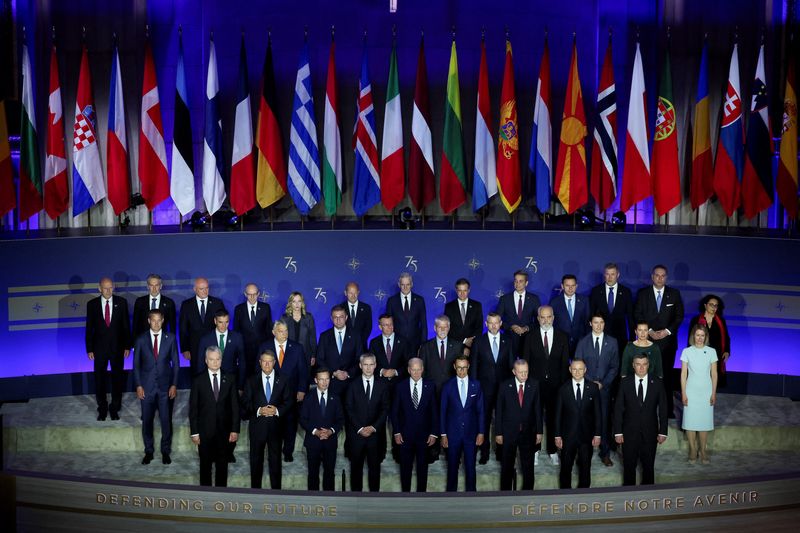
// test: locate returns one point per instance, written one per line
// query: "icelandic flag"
(304, 174)
(213, 186)
(541, 159)
(366, 181)
(88, 186)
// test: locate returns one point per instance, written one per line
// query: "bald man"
(197, 318)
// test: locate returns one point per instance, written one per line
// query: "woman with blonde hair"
(698, 391)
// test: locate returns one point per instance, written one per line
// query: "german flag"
(271, 173)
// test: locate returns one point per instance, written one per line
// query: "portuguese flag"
(666, 173)
(453, 179)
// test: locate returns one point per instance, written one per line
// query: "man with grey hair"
(439, 353)
(408, 311)
(154, 299)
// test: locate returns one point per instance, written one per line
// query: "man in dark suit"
(253, 321)
(518, 425)
(408, 311)
(615, 301)
(601, 355)
(465, 314)
(517, 310)
(439, 353)
(367, 406)
(571, 311)
(491, 364)
(547, 352)
(108, 340)
(214, 417)
(196, 319)
(359, 314)
(577, 428)
(267, 397)
(155, 376)
(462, 423)
(153, 300)
(230, 343)
(661, 307)
(322, 417)
(640, 421)
(415, 423)
(391, 350)
(338, 350)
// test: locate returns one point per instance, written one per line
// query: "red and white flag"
(56, 189)
(153, 174)
(636, 184)
(119, 187)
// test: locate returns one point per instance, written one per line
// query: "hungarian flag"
(243, 180)
(182, 185)
(509, 180)
(332, 142)
(666, 172)
(366, 179)
(636, 170)
(484, 177)
(604, 148)
(541, 159)
(271, 173)
(153, 173)
(421, 186)
(787, 164)
(56, 189)
(393, 177)
(757, 189)
(702, 184)
(88, 186)
(453, 178)
(571, 187)
(119, 189)
(30, 175)
(730, 149)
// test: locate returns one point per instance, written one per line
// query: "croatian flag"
(88, 187)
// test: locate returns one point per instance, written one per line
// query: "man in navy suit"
(517, 310)
(155, 376)
(322, 417)
(196, 318)
(391, 350)
(462, 424)
(439, 353)
(359, 314)
(153, 300)
(492, 361)
(465, 314)
(408, 311)
(230, 343)
(253, 321)
(615, 301)
(601, 355)
(571, 311)
(415, 423)
(338, 350)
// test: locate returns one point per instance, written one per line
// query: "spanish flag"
(787, 165)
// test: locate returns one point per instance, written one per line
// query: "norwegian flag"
(604, 149)
(88, 186)
(153, 174)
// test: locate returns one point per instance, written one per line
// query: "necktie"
(578, 392)
(388, 351)
(658, 301)
(405, 304)
(463, 393)
(202, 310)
(597, 346)
(267, 389)
(369, 390)
(107, 314)
(222, 342)
(641, 391)
(463, 312)
(441, 350)
(352, 312)
(519, 306)
(546, 345)
(281, 355)
(569, 309)
(322, 404)
(153, 305)
(252, 314)
(215, 387)
(415, 396)
(339, 342)
(155, 346)
(495, 348)
(520, 394)
(610, 299)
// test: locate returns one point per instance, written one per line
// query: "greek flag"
(304, 180)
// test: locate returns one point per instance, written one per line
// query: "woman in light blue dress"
(698, 391)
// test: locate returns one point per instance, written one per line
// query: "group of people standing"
(566, 366)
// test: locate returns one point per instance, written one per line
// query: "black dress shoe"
(483, 460)
(166, 459)
(101, 416)
(231, 458)
(288, 458)
(114, 415)
(607, 461)
(147, 458)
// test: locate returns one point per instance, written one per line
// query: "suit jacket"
(670, 316)
(579, 325)
(233, 361)
(109, 340)
(141, 306)
(401, 353)
(435, 370)
(513, 421)
(328, 352)
(281, 396)
(412, 325)
(213, 420)
(295, 365)
(459, 422)
(362, 411)
(151, 374)
(507, 310)
(632, 418)
(416, 425)
(578, 424)
(550, 370)
(603, 369)
(191, 328)
(307, 337)
(363, 321)
(471, 326)
(311, 418)
(253, 332)
(619, 322)
(483, 367)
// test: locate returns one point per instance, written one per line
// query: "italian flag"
(392, 171)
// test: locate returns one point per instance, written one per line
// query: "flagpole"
(635, 215)
(271, 218)
(453, 224)
(483, 217)
(180, 221)
(604, 214)
(574, 221)
(514, 220)
(333, 217)
(89, 219)
(150, 221)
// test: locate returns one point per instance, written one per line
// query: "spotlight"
(136, 200)
(586, 219)
(619, 221)
(124, 220)
(407, 217)
(198, 220)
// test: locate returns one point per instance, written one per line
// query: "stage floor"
(754, 435)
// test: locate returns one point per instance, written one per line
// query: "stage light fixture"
(136, 200)
(618, 221)
(198, 220)
(407, 218)
(586, 219)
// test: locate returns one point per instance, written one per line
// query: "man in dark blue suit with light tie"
(571, 312)
(408, 311)
(462, 422)
(517, 310)
(155, 375)
(322, 417)
(338, 350)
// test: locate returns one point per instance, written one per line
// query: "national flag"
(213, 185)
(702, 184)
(757, 189)
(366, 180)
(730, 148)
(421, 186)
(8, 196)
(666, 172)
(332, 142)
(119, 188)
(56, 189)
(304, 178)
(88, 186)
(453, 177)
(392, 179)
(182, 185)
(30, 175)
(484, 177)
(603, 181)
(571, 187)
(541, 158)
(787, 164)
(153, 174)
(243, 179)
(271, 173)
(636, 184)
(509, 180)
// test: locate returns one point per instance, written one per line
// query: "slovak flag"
(730, 150)
(88, 186)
